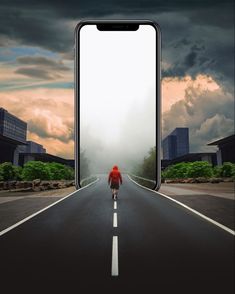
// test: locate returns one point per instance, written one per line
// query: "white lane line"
(115, 220)
(115, 205)
(189, 208)
(45, 208)
(114, 270)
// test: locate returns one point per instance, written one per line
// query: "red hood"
(115, 167)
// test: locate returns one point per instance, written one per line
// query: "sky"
(36, 65)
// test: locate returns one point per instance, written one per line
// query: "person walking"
(115, 178)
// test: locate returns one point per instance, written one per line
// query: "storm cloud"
(197, 37)
(41, 67)
(49, 118)
(208, 114)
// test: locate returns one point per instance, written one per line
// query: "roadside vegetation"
(196, 169)
(35, 170)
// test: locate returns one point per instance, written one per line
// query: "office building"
(176, 144)
(13, 145)
(44, 157)
(12, 133)
(226, 149)
(31, 147)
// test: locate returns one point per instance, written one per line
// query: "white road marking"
(115, 220)
(36, 213)
(114, 270)
(115, 205)
(189, 208)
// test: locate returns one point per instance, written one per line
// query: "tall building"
(14, 147)
(176, 143)
(12, 133)
(31, 147)
(12, 127)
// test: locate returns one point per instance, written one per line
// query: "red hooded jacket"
(115, 176)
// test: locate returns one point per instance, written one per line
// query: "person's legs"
(116, 193)
(113, 192)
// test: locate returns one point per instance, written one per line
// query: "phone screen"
(117, 101)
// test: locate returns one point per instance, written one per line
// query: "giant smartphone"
(117, 99)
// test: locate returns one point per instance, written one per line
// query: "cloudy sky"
(36, 64)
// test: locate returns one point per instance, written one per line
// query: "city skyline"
(176, 143)
(36, 78)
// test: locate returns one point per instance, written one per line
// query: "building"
(12, 133)
(14, 147)
(226, 149)
(169, 147)
(44, 157)
(176, 143)
(30, 147)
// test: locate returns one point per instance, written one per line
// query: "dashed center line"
(115, 205)
(115, 220)
(115, 256)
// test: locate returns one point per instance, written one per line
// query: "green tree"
(147, 168)
(35, 170)
(18, 172)
(9, 172)
(200, 169)
(189, 170)
(178, 170)
(225, 170)
(60, 171)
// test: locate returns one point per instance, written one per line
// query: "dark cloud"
(208, 114)
(40, 127)
(35, 26)
(41, 67)
(44, 61)
(36, 73)
(192, 49)
(198, 36)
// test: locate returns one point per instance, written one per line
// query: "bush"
(35, 170)
(200, 169)
(18, 172)
(188, 170)
(225, 170)
(60, 171)
(9, 172)
(178, 170)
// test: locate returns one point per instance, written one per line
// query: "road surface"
(161, 247)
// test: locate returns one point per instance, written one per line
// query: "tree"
(189, 170)
(178, 170)
(9, 172)
(60, 171)
(147, 168)
(200, 169)
(226, 170)
(35, 170)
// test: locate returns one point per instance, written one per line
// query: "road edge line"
(43, 209)
(189, 208)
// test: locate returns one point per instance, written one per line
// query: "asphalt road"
(162, 247)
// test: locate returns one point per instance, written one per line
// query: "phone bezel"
(77, 91)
